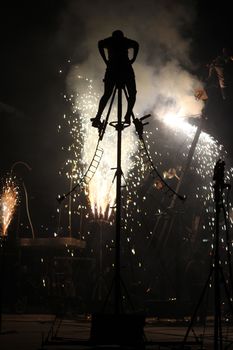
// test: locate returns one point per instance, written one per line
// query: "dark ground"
(28, 331)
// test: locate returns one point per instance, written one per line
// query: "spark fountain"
(8, 203)
(100, 191)
(166, 152)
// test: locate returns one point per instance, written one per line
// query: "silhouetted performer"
(221, 68)
(119, 71)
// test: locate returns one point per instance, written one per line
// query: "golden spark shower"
(8, 203)
(101, 189)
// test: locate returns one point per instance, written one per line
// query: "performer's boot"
(96, 123)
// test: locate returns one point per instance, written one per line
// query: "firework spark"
(100, 190)
(207, 151)
(8, 203)
(169, 143)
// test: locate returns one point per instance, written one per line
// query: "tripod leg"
(197, 307)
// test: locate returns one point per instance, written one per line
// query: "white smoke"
(160, 27)
(164, 86)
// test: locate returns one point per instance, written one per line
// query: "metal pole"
(171, 218)
(118, 205)
(70, 209)
(169, 221)
(217, 301)
(189, 159)
(2, 267)
(100, 259)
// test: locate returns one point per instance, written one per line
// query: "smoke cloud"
(162, 69)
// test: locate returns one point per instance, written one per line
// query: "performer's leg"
(131, 88)
(108, 89)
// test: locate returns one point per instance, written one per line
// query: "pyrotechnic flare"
(8, 203)
(101, 191)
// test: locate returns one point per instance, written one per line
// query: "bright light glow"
(207, 150)
(8, 202)
(181, 124)
(101, 189)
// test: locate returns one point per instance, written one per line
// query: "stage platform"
(29, 332)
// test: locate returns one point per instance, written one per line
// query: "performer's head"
(117, 34)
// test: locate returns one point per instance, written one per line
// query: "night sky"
(37, 40)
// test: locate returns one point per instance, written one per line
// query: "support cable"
(139, 125)
(157, 172)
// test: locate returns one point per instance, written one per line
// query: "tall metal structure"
(119, 128)
(119, 125)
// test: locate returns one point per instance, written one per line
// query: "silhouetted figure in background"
(119, 71)
(221, 68)
(219, 87)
